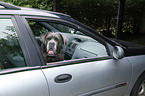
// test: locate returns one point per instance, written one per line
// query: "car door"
(26, 81)
(104, 77)
(83, 74)
(17, 76)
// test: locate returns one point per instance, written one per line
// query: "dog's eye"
(56, 39)
(48, 38)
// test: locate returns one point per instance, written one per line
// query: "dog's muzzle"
(51, 52)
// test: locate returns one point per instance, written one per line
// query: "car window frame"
(72, 25)
(30, 46)
(23, 47)
(31, 58)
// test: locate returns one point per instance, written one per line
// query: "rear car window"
(11, 54)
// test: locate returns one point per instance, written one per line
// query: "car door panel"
(25, 83)
(93, 77)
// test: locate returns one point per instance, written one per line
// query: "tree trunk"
(118, 34)
(56, 4)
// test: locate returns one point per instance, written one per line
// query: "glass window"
(63, 28)
(11, 55)
(59, 42)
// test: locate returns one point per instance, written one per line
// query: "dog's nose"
(51, 45)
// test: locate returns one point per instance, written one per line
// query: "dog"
(52, 46)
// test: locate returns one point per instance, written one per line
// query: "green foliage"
(10, 44)
(41, 4)
(100, 15)
(133, 13)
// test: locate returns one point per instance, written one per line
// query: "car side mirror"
(118, 52)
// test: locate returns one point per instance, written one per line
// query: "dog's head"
(52, 42)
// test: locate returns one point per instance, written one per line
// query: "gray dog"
(52, 46)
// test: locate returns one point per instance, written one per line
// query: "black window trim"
(30, 49)
(22, 44)
(34, 42)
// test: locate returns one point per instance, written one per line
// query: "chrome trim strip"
(75, 61)
(14, 70)
(104, 89)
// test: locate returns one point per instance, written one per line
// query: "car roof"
(9, 9)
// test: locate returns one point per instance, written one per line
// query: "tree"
(100, 15)
(56, 5)
(40, 4)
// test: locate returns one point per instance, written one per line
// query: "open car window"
(11, 54)
(60, 42)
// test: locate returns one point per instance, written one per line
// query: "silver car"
(93, 65)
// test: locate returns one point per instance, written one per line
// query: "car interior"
(79, 45)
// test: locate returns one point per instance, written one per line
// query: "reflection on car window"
(63, 28)
(59, 42)
(11, 55)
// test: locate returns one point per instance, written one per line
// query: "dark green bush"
(100, 15)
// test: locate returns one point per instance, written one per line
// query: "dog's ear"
(42, 38)
(64, 39)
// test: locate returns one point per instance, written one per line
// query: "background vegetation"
(100, 15)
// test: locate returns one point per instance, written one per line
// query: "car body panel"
(89, 77)
(138, 68)
(23, 12)
(132, 49)
(24, 83)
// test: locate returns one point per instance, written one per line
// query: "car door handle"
(63, 78)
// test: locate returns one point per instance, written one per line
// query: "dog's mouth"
(51, 53)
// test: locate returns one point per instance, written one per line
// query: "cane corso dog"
(52, 44)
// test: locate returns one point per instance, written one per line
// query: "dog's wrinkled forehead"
(55, 36)
(52, 36)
